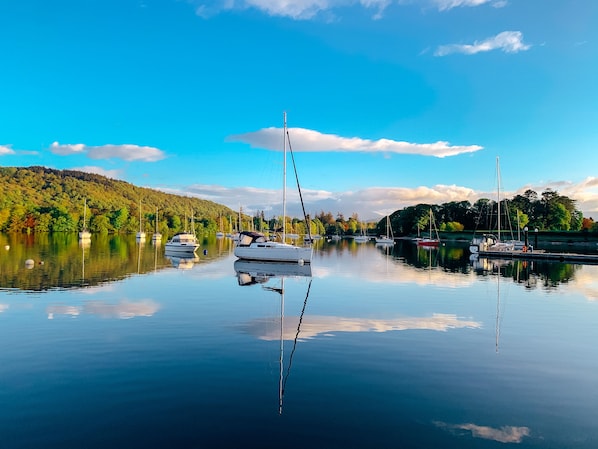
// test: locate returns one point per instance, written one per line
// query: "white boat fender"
(300, 262)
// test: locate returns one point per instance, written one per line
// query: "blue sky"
(389, 103)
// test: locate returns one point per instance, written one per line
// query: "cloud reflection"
(586, 282)
(506, 434)
(72, 311)
(122, 310)
(314, 325)
(4, 307)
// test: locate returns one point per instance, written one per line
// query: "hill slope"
(39, 199)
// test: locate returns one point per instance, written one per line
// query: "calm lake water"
(116, 345)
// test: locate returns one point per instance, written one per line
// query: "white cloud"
(6, 149)
(306, 140)
(506, 434)
(125, 152)
(507, 41)
(114, 174)
(309, 9)
(298, 10)
(373, 202)
(444, 5)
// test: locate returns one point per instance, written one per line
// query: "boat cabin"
(246, 238)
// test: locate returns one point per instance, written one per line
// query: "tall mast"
(85, 215)
(284, 177)
(498, 211)
(430, 224)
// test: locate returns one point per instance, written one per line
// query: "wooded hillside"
(39, 199)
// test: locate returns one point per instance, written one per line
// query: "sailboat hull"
(427, 242)
(274, 252)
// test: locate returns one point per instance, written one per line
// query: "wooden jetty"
(542, 255)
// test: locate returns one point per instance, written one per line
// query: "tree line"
(549, 211)
(40, 199)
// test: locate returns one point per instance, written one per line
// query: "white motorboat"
(182, 242)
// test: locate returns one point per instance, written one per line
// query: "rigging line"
(298, 186)
(284, 383)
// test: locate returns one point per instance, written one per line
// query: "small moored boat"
(182, 242)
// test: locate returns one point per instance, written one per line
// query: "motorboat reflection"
(253, 272)
(182, 261)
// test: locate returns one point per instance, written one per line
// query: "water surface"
(116, 345)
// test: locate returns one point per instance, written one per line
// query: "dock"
(542, 255)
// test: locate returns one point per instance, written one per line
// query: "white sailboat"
(141, 234)
(254, 245)
(84, 234)
(363, 237)
(219, 233)
(156, 237)
(387, 239)
(491, 242)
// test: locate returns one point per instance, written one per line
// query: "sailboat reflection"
(251, 273)
(83, 244)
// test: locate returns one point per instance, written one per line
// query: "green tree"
(63, 223)
(100, 224)
(120, 218)
(559, 218)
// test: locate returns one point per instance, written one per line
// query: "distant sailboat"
(141, 234)
(220, 233)
(156, 237)
(387, 239)
(363, 237)
(84, 234)
(491, 242)
(433, 239)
